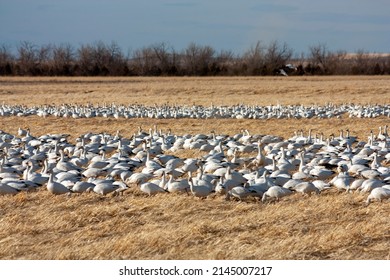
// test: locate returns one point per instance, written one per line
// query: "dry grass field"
(199, 91)
(133, 226)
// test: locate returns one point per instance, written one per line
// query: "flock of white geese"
(239, 166)
(167, 111)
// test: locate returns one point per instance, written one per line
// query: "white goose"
(6, 189)
(321, 173)
(151, 164)
(151, 188)
(139, 178)
(55, 187)
(82, 186)
(378, 194)
(190, 165)
(63, 165)
(306, 188)
(177, 186)
(303, 171)
(370, 184)
(239, 192)
(201, 191)
(260, 159)
(37, 178)
(275, 193)
(105, 188)
(343, 180)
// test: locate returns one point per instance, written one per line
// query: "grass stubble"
(332, 225)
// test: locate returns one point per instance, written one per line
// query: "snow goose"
(139, 178)
(55, 187)
(6, 189)
(283, 163)
(37, 178)
(72, 175)
(239, 192)
(176, 173)
(151, 188)
(370, 184)
(211, 166)
(201, 191)
(22, 132)
(82, 186)
(306, 188)
(220, 188)
(235, 176)
(378, 194)
(342, 181)
(321, 173)
(370, 173)
(203, 178)
(63, 165)
(177, 186)
(93, 172)
(275, 193)
(264, 179)
(355, 169)
(290, 184)
(260, 159)
(99, 163)
(105, 188)
(20, 185)
(7, 172)
(258, 188)
(355, 185)
(227, 184)
(190, 165)
(303, 171)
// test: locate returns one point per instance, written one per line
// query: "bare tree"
(254, 60)
(338, 63)
(191, 55)
(6, 60)
(318, 58)
(360, 65)
(161, 59)
(206, 59)
(300, 61)
(198, 59)
(86, 61)
(156, 59)
(162, 55)
(27, 58)
(44, 59)
(225, 63)
(63, 59)
(276, 57)
(385, 65)
(145, 62)
(113, 60)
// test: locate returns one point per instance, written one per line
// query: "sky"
(348, 25)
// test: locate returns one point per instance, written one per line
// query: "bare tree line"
(161, 59)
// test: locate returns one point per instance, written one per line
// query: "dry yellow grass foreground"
(329, 226)
(127, 127)
(201, 91)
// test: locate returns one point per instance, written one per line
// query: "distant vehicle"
(285, 70)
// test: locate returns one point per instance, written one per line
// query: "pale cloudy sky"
(223, 24)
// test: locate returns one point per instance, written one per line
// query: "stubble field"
(38, 225)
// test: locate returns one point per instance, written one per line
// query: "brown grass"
(201, 91)
(330, 226)
(284, 128)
